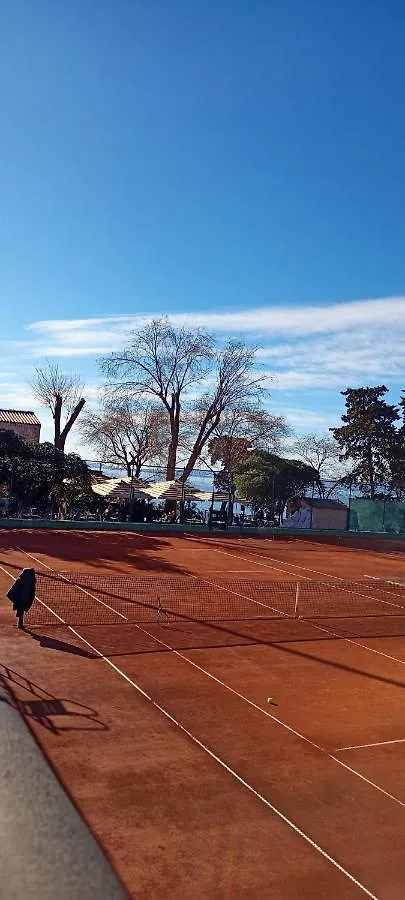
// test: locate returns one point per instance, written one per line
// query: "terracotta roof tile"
(18, 417)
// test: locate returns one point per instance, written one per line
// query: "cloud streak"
(309, 352)
(312, 347)
(343, 341)
(270, 321)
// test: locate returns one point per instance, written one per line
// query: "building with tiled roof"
(22, 422)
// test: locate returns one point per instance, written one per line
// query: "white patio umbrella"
(171, 490)
(121, 489)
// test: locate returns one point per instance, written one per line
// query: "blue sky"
(238, 162)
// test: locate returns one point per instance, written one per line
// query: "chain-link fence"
(325, 505)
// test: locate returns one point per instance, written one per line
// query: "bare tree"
(129, 433)
(62, 394)
(236, 384)
(167, 363)
(261, 428)
(323, 454)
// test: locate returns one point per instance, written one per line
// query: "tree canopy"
(322, 453)
(243, 431)
(369, 438)
(267, 480)
(39, 474)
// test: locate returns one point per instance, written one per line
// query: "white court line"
(65, 578)
(249, 559)
(376, 744)
(260, 709)
(326, 630)
(316, 572)
(213, 755)
(355, 642)
(305, 577)
(189, 575)
(345, 549)
(237, 594)
(387, 581)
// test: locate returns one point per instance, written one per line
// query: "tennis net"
(87, 599)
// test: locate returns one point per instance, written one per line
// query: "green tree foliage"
(242, 431)
(267, 480)
(369, 438)
(39, 474)
(396, 483)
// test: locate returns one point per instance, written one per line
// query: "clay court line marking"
(290, 564)
(326, 630)
(210, 753)
(237, 594)
(72, 583)
(252, 704)
(377, 744)
(319, 627)
(305, 577)
(249, 559)
(343, 548)
(275, 719)
(388, 581)
(353, 641)
(189, 575)
(316, 572)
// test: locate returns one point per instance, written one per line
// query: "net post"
(297, 600)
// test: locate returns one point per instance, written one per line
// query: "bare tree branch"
(237, 383)
(167, 364)
(323, 454)
(130, 433)
(161, 363)
(62, 393)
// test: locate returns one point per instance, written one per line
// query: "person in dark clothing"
(22, 594)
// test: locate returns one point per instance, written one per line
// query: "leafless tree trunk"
(61, 439)
(161, 363)
(127, 433)
(62, 394)
(168, 364)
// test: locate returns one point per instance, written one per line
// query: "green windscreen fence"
(377, 515)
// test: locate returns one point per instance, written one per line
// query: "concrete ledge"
(156, 528)
(46, 850)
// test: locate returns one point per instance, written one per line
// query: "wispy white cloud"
(271, 321)
(347, 341)
(307, 419)
(307, 350)
(371, 352)
(297, 380)
(15, 394)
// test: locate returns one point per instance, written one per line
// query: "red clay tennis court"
(226, 713)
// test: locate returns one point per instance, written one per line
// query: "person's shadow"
(55, 644)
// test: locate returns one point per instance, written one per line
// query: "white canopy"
(171, 490)
(219, 496)
(122, 489)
